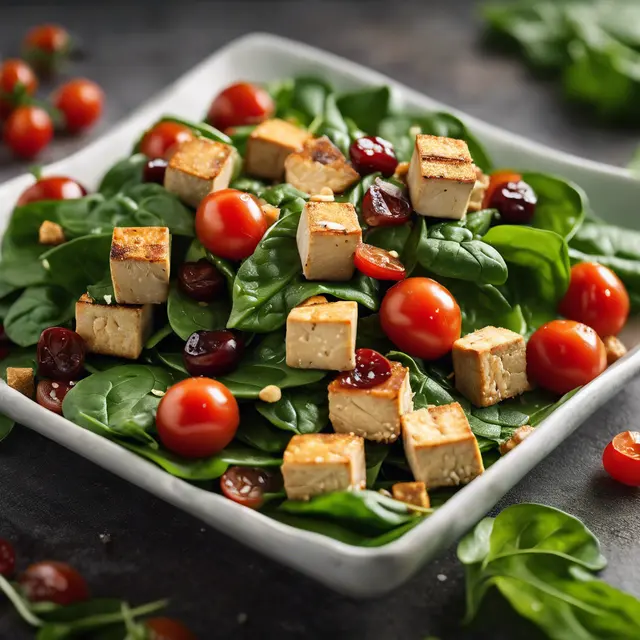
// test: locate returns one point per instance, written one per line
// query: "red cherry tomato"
(621, 458)
(167, 629)
(197, 417)
(378, 263)
(240, 104)
(597, 298)
(80, 102)
(230, 224)
(47, 39)
(53, 582)
(27, 131)
(159, 141)
(52, 188)
(563, 355)
(421, 317)
(496, 179)
(15, 75)
(7, 558)
(247, 485)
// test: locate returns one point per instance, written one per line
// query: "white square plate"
(351, 570)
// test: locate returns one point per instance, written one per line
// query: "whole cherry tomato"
(497, 179)
(247, 485)
(27, 131)
(159, 141)
(167, 629)
(230, 224)
(15, 76)
(597, 298)
(621, 458)
(7, 558)
(421, 317)
(564, 354)
(55, 582)
(45, 45)
(197, 418)
(378, 263)
(52, 188)
(80, 102)
(240, 104)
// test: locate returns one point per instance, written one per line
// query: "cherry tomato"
(159, 141)
(597, 298)
(247, 485)
(80, 102)
(53, 582)
(496, 179)
(240, 104)
(378, 263)
(27, 131)
(45, 44)
(50, 394)
(563, 355)
(15, 76)
(230, 224)
(621, 458)
(52, 188)
(421, 317)
(7, 558)
(168, 629)
(197, 417)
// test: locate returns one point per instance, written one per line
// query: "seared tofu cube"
(21, 379)
(269, 145)
(441, 177)
(318, 463)
(140, 263)
(328, 234)
(113, 330)
(320, 164)
(413, 493)
(372, 413)
(198, 167)
(490, 365)
(51, 233)
(478, 191)
(519, 436)
(322, 336)
(614, 348)
(440, 446)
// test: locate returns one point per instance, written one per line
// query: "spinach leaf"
(259, 433)
(8, 295)
(187, 315)
(390, 238)
(366, 107)
(307, 99)
(102, 292)
(242, 456)
(249, 185)
(6, 427)
(479, 222)
(157, 337)
(123, 174)
(371, 336)
(303, 410)
(200, 128)
(375, 455)
(607, 240)
(331, 124)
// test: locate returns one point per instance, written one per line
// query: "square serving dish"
(360, 572)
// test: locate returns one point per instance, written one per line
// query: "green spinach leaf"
(187, 315)
(303, 410)
(366, 107)
(125, 173)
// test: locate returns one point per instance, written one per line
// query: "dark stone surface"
(54, 504)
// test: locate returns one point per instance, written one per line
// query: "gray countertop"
(55, 505)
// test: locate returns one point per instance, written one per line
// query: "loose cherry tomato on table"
(230, 224)
(240, 104)
(378, 263)
(27, 131)
(370, 154)
(55, 582)
(167, 629)
(7, 558)
(45, 45)
(50, 394)
(52, 188)
(621, 458)
(496, 179)
(197, 418)
(421, 317)
(80, 101)
(159, 141)
(564, 354)
(15, 76)
(597, 298)
(247, 485)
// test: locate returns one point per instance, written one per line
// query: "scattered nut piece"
(415, 131)
(271, 393)
(412, 493)
(520, 434)
(614, 348)
(21, 379)
(51, 233)
(325, 195)
(478, 191)
(158, 392)
(271, 213)
(394, 254)
(401, 171)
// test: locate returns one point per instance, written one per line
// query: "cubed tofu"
(519, 436)
(113, 330)
(478, 191)
(318, 463)
(140, 263)
(21, 379)
(320, 164)
(51, 233)
(198, 167)
(269, 145)
(441, 177)
(322, 336)
(490, 365)
(440, 446)
(271, 213)
(614, 348)
(328, 234)
(372, 413)
(413, 493)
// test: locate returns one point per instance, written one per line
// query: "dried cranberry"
(50, 394)
(60, 354)
(247, 485)
(371, 154)
(200, 280)
(372, 369)
(212, 353)
(167, 629)
(7, 558)
(385, 205)
(516, 202)
(154, 170)
(55, 582)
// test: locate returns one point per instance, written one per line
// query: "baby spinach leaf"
(102, 292)
(479, 222)
(6, 427)
(375, 455)
(390, 238)
(159, 336)
(200, 128)
(607, 240)
(249, 185)
(307, 98)
(371, 336)
(259, 433)
(331, 124)
(366, 107)
(187, 315)
(123, 174)
(241, 456)
(303, 410)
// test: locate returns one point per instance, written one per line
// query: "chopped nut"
(271, 213)
(614, 348)
(51, 233)
(520, 434)
(21, 379)
(394, 254)
(401, 170)
(478, 191)
(271, 393)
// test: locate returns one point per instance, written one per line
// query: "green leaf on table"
(187, 315)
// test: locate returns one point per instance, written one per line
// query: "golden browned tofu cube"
(320, 164)
(322, 336)
(113, 330)
(614, 348)
(51, 233)
(440, 446)
(21, 379)
(478, 191)
(140, 263)
(441, 177)
(328, 234)
(413, 493)
(269, 145)
(519, 436)
(318, 463)
(199, 167)
(372, 413)
(490, 365)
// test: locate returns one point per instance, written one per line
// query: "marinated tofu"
(412, 493)
(519, 436)
(320, 164)
(328, 234)
(140, 263)
(478, 191)
(51, 233)
(614, 348)
(490, 365)
(113, 330)
(22, 379)
(321, 463)
(440, 446)
(372, 413)
(322, 336)
(441, 177)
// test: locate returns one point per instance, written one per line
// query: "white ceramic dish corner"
(360, 572)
